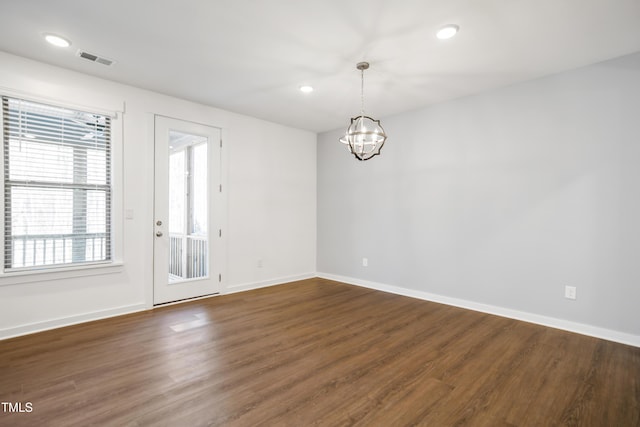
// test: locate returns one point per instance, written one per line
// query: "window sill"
(19, 277)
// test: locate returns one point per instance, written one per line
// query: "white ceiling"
(251, 56)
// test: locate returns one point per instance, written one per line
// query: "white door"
(188, 200)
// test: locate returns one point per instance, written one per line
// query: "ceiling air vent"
(94, 58)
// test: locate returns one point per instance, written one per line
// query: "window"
(57, 186)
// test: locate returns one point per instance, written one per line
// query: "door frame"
(219, 241)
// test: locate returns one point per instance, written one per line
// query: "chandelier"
(364, 136)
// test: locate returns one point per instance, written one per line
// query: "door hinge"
(221, 188)
(219, 277)
(220, 232)
(221, 143)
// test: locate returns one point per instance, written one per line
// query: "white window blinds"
(57, 186)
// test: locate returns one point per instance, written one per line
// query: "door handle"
(158, 233)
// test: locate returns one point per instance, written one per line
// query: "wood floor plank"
(317, 352)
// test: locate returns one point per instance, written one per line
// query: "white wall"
(497, 201)
(271, 177)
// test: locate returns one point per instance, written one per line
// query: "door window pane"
(188, 207)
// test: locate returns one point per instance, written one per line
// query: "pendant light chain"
(362, 92)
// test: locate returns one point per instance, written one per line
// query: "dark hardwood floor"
(317, 352)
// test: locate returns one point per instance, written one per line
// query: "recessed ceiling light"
(306, 89)
(447, 31)
(57, 40)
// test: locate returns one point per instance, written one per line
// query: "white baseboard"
(32, 328)
(580, 328)
(263, 284)
(552, 322)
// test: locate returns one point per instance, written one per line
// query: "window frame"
(91, 268)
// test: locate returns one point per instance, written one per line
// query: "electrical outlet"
(365, 262)
(570, 292)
